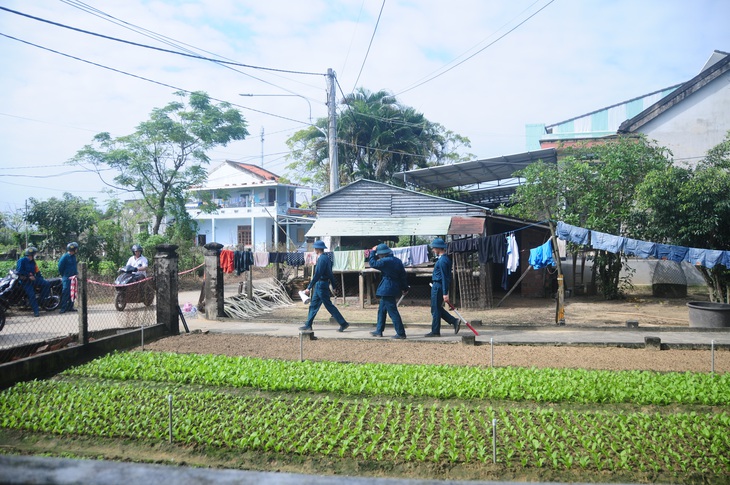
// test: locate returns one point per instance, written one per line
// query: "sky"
(481, 68)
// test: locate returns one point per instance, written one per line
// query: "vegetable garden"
(434, 421)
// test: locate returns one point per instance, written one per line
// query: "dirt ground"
(579, 311)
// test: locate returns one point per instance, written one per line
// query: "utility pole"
(26, 223)
(262, 147)
(332, 115)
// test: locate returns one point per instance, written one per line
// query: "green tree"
(689, 206)
(592, 186)
(167, 153)
(62, 220)
(376, 137)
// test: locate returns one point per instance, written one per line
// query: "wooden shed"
(366, 212)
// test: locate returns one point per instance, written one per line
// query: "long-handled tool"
(452, 307)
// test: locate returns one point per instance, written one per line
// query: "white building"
(249, 203)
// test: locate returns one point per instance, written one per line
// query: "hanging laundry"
(310, 258)
(261, 259)
(670, 252)
(573, 234)
(348, 260)
(607, 242)
(404, 254)
(466, 245)
(513, 254)
(709, 258)
(226, 260)
(635, 247)
(295, 259)
(242, 261)
(492, 249)
(542, 256)
(277, 257)
(419, 254)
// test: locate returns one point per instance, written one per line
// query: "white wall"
(696, 124)
(644, 270)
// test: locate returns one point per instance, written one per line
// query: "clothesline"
(240, 261)
(709, 258)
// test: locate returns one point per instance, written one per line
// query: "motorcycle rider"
(31, 277)
(68, 267)
(137, 260)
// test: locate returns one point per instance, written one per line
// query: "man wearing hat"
(321, 283)
(68, 268)
(440, 282)
(30, 277)
(393, 284)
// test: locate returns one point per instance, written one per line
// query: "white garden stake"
(141, 328)
(301, 347)
(491, 349)
(169, 399)
(712, 347)
(494, 441)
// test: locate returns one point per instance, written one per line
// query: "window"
(201, 239)
(272, 196)
(244, 235)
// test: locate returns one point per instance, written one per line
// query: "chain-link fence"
(111, 306)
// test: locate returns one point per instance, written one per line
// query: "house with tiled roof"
(245, 206)
(688, 118)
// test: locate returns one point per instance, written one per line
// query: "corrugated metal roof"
(391, 226)
(475, 172)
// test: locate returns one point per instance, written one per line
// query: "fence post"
(213, 281)
(82, 304)
(168, 311)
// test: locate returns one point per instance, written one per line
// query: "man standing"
(67, 268)
(393, 284)
(321, 283)
(30, 277)
(440, 282)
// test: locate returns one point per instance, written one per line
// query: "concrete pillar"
(168, 310)
(213, 281)
(82, 304)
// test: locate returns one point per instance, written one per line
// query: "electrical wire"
(477, 52)
(372, 37)
(145, 79)
(170, 41)
(145, 46)
(352, 39)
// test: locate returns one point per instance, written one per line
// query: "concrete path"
(670, 337)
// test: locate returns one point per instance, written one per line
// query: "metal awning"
(391, 226)
(475, 172)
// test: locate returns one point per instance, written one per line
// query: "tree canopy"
(592, 186)
(167, 153)
(62, 220)
(689, 206)
(376, 137)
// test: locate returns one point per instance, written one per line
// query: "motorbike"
(129, 290)
(12, 294)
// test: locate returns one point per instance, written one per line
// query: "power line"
(372, 37)
(184, 54)
(168, 40)
(144, 78)
(477, 52)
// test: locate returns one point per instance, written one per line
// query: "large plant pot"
(708, 314)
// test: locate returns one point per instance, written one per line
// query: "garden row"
(368, 429)
(441, 382)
